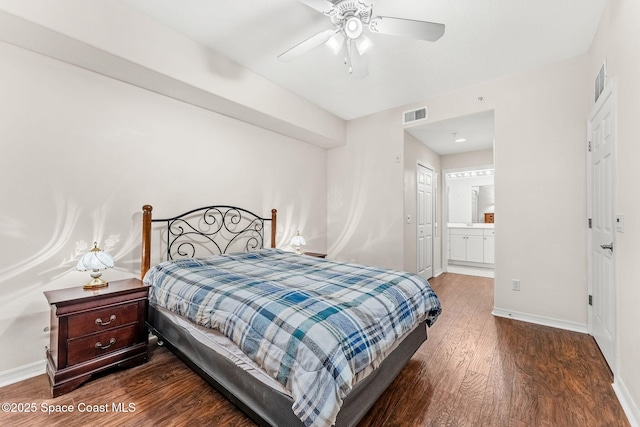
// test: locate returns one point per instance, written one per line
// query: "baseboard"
(438, 272)
(541, 320)
(630, 409)
(22, 373)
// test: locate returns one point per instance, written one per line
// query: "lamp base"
(96, 283)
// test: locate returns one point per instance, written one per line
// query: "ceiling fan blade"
(422, 30)
(323, 6)
(306, 46)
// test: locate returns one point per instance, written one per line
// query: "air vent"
(414, 115)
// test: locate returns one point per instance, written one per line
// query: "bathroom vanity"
(471, 244)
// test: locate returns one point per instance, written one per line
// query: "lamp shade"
(95, 261)
(297, 241)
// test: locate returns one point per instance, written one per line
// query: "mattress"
(315, 326)
(224, 347)
(265, 406)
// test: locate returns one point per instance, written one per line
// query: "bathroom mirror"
(470, 194)
(482, 202)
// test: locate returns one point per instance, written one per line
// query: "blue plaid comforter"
(310, 323)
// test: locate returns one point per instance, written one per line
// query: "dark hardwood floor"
(474, 370)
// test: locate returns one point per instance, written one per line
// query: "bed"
(292, 340)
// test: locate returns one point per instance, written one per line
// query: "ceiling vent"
(414, 115)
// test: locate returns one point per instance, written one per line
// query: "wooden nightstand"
(93, 330)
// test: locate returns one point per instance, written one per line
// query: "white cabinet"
(457, 247)
(465, 244)
(488, 246)
(471, 245)
(475, 249)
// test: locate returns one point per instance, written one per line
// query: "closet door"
(425, 221)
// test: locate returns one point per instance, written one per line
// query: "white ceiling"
(477, 129)
(484, 39)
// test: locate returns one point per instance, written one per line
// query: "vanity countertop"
(474, 225)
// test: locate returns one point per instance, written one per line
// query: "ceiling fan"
(349, 18)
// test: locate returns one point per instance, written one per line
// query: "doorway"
(451, 144)
(469, 212)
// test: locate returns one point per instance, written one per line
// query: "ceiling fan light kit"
(353, 27)
(363, 44)
(350, 18)
(335, 43)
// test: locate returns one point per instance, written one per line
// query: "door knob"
(610, 247)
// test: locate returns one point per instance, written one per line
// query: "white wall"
(618, 41)
(365, 196)
(540, 159)
(540, 137)
(468, 159)
(81, 153)
(110, 38)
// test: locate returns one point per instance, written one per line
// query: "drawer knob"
(99, 345)
(101, 323)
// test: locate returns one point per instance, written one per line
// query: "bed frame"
(208, 230)
(261, 403)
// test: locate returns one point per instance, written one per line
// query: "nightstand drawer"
(95, 330)
(83, 349)
(101, 320)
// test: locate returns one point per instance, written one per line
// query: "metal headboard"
(209, 230)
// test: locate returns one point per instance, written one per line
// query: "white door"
(601, 189)
(425, 221)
